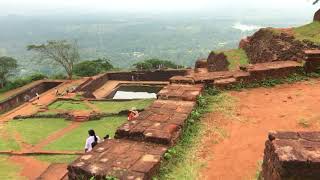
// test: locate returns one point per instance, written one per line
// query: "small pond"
(135, 92)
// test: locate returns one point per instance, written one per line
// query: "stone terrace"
(161, 123)
(139, 146)
(292, 155)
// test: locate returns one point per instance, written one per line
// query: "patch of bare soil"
(31, 168)
(236, 154)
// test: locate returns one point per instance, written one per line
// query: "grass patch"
(269, 83)
(34, 130)
(181, 161)
(56, 158)
(117, 106)
(7, 141)
(236, 58)
(75, 139)
(309, 32)
(68, 105)
(258, 175)
(9, 170)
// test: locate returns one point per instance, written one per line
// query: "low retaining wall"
(27, 94)
(98, 81)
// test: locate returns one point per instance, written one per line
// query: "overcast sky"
(31, 7)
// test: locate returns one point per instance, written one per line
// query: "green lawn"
(236, 58)
(56, 158)
(68, 105)
(33, 131)
(9, 170)
(117, 106)
(309, 32)
(75, 140)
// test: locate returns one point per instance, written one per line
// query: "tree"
(91, 68)
(7, 66)
(60, 52)
(155, 64)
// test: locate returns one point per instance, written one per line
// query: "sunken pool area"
(135, 92)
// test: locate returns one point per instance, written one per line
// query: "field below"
(237, 130)
(52, 135)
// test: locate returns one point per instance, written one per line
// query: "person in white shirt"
(91, 141)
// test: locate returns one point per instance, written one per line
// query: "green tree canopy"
(60, 52)
(91, 68)
(7, 66)
(152, 64)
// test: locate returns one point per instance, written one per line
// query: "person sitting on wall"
(91, 141)
(133, 114)
(38, 96)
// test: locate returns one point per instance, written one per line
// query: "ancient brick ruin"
(312, 60)
(217, 62)
(140, 145)
(268, 45)
(292, 155)
(317, 16)
(27, 94)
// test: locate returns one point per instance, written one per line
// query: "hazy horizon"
(50, 7)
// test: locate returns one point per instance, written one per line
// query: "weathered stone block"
(133, 160)
(292, 155)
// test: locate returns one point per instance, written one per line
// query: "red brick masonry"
(292, 155)
(140, 144)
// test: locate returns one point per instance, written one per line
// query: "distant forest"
(126, 40)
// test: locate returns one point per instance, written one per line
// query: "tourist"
(133, 114)
(91, 141)
(38, 96)
(57, 91)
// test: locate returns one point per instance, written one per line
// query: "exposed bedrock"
(268, 45)
(317, 16)
(217, 62)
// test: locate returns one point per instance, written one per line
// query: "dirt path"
(286, 107)
(31, 168)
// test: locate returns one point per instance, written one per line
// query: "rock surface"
(317, 16)
(217, 62)
(267, 45)
(292, 155)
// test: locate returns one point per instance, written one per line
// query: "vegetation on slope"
(236, 58)
(309, 32)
